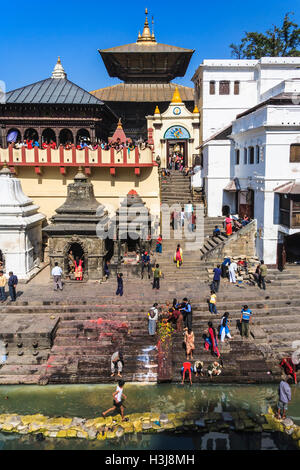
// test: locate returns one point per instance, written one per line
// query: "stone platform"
(26, 344)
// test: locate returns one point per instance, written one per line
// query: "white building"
(226, 88)
(253, 166)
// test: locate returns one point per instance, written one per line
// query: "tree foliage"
(279, 41)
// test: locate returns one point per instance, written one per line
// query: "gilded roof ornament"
(176, 97)
(146, 37)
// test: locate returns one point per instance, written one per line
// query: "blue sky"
(34, 33)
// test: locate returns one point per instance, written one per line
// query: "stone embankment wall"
(241, 243)
(113, 427)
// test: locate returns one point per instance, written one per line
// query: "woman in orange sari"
(228, 223)
(189, 340)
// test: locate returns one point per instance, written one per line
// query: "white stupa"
(20, 228)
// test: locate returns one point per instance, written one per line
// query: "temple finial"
(58, 71)
(176, 96)
(146, 36)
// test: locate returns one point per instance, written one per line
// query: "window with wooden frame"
(224, 87)
(236, 89)
(212, 87)
(295, 153)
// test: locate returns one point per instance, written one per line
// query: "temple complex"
(146, 68)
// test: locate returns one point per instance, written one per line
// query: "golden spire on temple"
(196, 110)
(157, 111)
(146, 36)
(120, 124)
(176, 97)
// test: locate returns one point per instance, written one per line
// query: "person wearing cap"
(146, 264)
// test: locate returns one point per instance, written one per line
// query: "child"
(212, 302)
(120, 284)
(117, 400)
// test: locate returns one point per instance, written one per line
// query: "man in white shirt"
(57, 273)
(232, 272)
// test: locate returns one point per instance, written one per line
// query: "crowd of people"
(229, 269)
(180, 317)
(83, 143)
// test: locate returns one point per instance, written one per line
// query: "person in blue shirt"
(217, 231)
(146, 264)
(217, 278)
(186, 310)
(245, 321)
(12, 284)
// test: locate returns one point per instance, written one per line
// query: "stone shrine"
(73, 231)
(20, 228)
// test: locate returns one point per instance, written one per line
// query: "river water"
(88, 401)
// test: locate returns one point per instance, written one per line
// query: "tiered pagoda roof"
(146, 60)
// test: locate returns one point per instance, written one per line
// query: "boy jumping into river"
(117, 400)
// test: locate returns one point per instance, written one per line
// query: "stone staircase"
(88, 333)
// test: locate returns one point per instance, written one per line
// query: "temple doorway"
(75, 262)
(177, 148)
(246, 203)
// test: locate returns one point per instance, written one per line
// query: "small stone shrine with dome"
(73, 231)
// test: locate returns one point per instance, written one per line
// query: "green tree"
(280, 41)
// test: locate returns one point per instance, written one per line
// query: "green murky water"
(89, 401)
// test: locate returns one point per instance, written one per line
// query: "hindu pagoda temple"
(146, 68)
